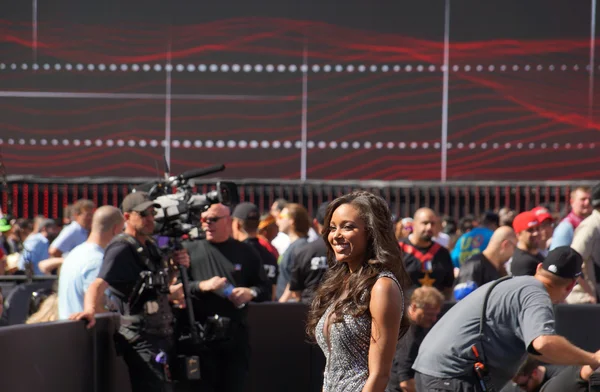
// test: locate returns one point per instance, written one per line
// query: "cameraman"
(216, 262)
(146, 334)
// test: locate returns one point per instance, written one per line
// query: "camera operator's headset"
(481, 370)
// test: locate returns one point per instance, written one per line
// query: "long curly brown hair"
(383, 254)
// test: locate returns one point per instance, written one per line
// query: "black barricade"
(64, 356)
(55, 356)
(579, 324)
(282, 358)
(18, 299)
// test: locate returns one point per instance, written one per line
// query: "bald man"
(226, 274)
(488, 265)
(427, 262)
(81, 267)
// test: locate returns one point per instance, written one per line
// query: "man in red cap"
(526, 257)
(546, 228)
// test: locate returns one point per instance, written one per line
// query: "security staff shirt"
(269, 261)
(234, 260)
(308, 271)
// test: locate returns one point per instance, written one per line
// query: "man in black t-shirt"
(427, 263)
(147, 319)
(244, 228)
(425, 306)
(526, 257)
(225, 275)
(311, 263)
(488, 265)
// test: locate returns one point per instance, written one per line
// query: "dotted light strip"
(276, 144)
(269, 68)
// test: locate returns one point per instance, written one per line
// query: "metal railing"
(31, 196)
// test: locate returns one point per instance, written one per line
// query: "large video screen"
(300, 90)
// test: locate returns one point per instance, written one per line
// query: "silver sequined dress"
(347, 354)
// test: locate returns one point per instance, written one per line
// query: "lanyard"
(424, 258)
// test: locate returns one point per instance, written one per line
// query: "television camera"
(179, 212)
(178, 216)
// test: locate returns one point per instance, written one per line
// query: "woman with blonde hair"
(47, 312)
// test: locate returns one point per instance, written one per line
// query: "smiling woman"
(358, 315)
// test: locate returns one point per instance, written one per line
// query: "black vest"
(148, 307)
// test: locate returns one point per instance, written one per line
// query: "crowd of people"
(375, 283)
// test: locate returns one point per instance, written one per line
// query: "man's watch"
(254, 293)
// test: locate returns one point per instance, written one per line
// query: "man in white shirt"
(439, 236)
(282, 240)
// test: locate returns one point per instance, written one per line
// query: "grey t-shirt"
(518, 311)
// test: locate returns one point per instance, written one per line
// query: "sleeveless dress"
(347, 351)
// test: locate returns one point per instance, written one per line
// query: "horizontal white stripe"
(287, 144)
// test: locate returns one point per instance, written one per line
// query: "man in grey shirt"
(519, 319)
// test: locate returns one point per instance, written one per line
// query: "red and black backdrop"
(301, 89)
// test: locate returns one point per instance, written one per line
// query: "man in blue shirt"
(476, 240)
(35, 247)
(83, 263)
(581, 208)
(76, 232)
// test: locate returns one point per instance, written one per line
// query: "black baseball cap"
(563, 261)
(138, 202)
(246, 211)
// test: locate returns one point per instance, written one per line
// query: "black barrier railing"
(33, 196)
(61, 356)
(65, 356)
(17, 292)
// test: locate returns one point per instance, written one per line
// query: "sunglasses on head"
(210, 220)
(146, 213)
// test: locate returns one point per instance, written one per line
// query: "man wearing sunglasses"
(226, 274)
(131, 261)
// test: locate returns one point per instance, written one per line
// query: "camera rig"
(179, 211)
(179, 216)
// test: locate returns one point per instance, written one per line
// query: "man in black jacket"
(225, 275)
(311, 263)
(425, 306)
(244, 228)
